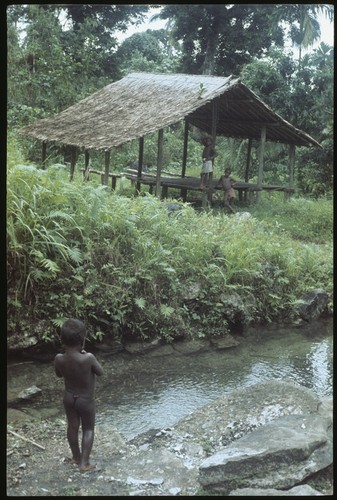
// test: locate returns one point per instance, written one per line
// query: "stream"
(142, 392)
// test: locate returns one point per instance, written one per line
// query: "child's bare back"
(78, 369)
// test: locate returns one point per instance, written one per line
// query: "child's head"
(228, 171)
(73, 332)
(207, 141)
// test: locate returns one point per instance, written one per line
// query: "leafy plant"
(130, 268)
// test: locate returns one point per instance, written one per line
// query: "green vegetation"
(131, 266)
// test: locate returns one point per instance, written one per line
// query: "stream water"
(142, 392)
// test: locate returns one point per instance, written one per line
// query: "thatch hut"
(142, 103)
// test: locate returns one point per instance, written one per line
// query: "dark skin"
(227, 183)
(79, 369)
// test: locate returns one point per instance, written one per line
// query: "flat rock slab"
(303, 490)
(280, 454)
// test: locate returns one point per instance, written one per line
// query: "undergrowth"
(136, 267)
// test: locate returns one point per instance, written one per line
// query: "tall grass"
(301, 218)
(132, 266)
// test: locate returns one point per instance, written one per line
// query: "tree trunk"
(212, 43)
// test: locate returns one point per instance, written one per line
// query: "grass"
(128, 265)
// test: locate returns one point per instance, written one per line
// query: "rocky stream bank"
(268, 439)
(274, 436)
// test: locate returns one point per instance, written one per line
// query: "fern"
(140, 302)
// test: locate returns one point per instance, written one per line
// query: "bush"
(131, 267)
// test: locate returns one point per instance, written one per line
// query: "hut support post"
(291, 170)
(215, 111)
(73, 161)
(140, 163)
(44, 154)
(106, 167)
(183, 170)
(86, 165)
(183, 192)
(249, 155)
(261, 159)
(159, 161)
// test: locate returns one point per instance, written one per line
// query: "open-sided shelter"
(142, 103)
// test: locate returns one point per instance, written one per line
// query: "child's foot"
(72, 461)
(86, 468)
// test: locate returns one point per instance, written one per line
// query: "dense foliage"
(133, 267)
(130, 266)
(59, 54)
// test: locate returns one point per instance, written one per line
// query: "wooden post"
(291, 163)
(140, 163)
(159, 161)
(86, 165)
(113, 182)
(183, 171)
(73, 161)
(106, 167)
(261, 159)
(249, 153)
(183, 192)
(44, 154)
(214, 124)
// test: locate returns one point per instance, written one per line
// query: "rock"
(173, 207)
(279, 455)
(239, 216)
(296, 491)
(238, 310)
(193, 291)
(141, 347)
(25, 395)
(224, 342)
(163, 350)
(154, 470)
(313, 304)
(191, 346)
(167, 462)
(30, 392)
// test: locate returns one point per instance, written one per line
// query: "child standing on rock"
(78, 369)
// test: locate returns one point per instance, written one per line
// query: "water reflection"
(138, 393)
(183, 384)
(320, 365)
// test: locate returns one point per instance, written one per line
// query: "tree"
(62, 54)
(148, 51)
(304, 96)
(302, 22)
(220, 38)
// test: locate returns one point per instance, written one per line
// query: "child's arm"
(56, 361)
(95, 365)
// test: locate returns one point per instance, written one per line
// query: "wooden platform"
(185, 184)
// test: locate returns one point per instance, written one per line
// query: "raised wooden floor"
(186, 184)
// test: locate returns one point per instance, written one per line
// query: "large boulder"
(277, 455)
(313, 304)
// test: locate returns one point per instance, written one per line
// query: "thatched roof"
(142, 103)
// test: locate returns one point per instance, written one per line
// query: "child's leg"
(72, 431)
(88, 413)
(228, 204)
(87, 442)
(230, 208)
